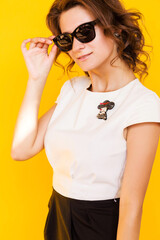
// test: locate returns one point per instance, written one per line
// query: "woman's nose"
(77, 44)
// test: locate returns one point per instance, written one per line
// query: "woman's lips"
(84, 57)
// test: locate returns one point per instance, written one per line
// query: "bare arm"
(28, 134)
(29, 131)
(142, 142)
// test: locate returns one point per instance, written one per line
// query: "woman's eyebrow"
(71, 32)
(74, 29)
(65, 32)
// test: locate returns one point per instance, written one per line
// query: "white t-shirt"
(87, 153)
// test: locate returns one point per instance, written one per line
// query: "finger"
(32, 45)
(47, 43)
(35, 41)
(40, 42)
(40, 45)
(53, 52)
(51, 37)
(23, 45)
(45, 46)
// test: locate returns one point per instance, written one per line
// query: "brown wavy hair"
(113, 17)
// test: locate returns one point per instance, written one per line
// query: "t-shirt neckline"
(110, 92)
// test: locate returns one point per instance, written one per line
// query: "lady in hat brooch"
(104, 107)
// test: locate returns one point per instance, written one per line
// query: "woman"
(102, 133)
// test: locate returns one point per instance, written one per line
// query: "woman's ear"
(117, 32)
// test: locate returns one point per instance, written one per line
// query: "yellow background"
(25, 186)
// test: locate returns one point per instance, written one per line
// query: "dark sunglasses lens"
(85, 33)
(64, 42)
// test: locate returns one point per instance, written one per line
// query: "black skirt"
(73, 219)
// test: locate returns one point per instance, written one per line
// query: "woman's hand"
(37, 59)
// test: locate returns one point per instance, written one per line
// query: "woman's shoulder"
(79, 83)
(143, 105)
(144, 101)
(141, 93)
(72, 86)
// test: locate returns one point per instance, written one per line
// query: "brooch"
(104, 107)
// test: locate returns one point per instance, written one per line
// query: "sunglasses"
(84, 33)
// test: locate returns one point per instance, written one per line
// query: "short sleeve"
(145, 109)
(64, 90)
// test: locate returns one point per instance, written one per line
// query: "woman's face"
(102, 48)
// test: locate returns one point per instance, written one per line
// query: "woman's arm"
(142, 142)
(27, 122)
(38, 63)
(29, 132)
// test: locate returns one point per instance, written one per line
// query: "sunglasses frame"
(73, 34)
